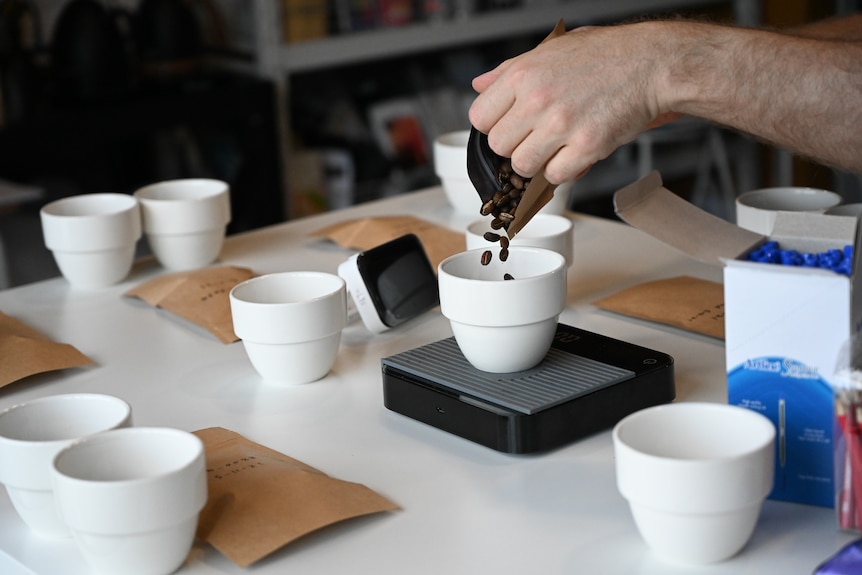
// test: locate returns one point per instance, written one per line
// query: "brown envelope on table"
(367, 233)
(260, 500)
(200, 296)
(690, 303)
(24, 352)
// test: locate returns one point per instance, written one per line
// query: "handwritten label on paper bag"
(690, 303)
(200, 296)
(260, 500)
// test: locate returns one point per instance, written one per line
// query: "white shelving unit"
(278, 61)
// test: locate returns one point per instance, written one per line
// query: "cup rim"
(754, 199)
(313, 317)
(237, 292)
(471, 304)
(119, 203)
(113, 435)
(49, 399)
(513, 249)
(198, 189)
(757, 420)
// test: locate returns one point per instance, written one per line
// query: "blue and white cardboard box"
(784, 325)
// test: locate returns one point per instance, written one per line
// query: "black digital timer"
(391, 283)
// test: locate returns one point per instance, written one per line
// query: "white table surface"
(464, 508)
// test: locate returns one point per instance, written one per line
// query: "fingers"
(482, 81)
(566, 166)
(494, 101)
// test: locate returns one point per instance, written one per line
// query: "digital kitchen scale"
(586, 383)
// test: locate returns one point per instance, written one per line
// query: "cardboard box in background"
(784, 325)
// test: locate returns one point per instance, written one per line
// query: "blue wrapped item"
(847, 561)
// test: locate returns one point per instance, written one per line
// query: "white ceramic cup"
(695, 476)
(33, 432)
(131, 498)
(450, 165)
(549, 231)
(185, 220)
(853, 210)
(92, 237)
(756, 210)
(290, 323)
(503, 326)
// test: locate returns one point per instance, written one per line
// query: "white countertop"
(464, 508)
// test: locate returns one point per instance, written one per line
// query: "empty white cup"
(500, 325)
(756, 210)
(132, 497)
(290, 323)
(695, 476)
(185, 220)
(549, 231)
(92, 237)
(33, 432)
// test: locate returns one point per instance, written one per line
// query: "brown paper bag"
(200, 296)
(24, 352)
(690, 303)
(367, 233)
(261, 500)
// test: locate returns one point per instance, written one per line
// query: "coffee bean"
(487, 208)
(517, 181)
(502, 207)
(508, 276)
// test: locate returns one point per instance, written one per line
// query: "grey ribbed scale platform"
(561, 376)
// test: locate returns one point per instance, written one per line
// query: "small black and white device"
(391, 283)
(586, 383)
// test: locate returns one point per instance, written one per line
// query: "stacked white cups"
(185, 220)
(94, 237)
(74, 466)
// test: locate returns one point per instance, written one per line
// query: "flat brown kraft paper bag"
(24, 352)
(200, 296)
(689, 303)
(260, 500)
(367, 233)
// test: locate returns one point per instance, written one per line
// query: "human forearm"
(801, 94)
(846, 27)
(570, 102)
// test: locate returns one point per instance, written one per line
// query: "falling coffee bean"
(502, 207)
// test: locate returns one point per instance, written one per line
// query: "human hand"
(572, 100)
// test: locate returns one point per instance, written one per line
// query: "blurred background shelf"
(293, 105)
(464, 28)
